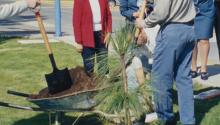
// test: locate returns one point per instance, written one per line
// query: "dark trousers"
(98, 53)
(217, 25)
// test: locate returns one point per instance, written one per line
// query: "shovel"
(141, 16)
(58, 80)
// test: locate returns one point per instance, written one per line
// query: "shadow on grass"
(202, 107)
(3, 39)
(43, 119)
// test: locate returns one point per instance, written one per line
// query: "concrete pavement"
(25, 24)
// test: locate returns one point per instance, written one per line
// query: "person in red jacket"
(92, 24)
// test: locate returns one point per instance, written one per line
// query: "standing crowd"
(184, 28)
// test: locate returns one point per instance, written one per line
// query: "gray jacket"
(9, 10)
(166, 11)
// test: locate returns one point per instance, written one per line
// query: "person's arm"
(109, 18)
(77, 20)
(108, 24)
(140, 76)
(158, 15)
(9, 10)
(127, 12)
(13, 9)
(139, 70)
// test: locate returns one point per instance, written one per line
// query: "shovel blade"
(58, 81)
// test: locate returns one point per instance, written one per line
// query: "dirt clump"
(81, 82)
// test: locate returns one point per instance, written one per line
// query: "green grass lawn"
(22, 68)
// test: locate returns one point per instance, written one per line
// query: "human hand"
(78, 47)
(33, 3)
(136, 14)
(106, 39)
(140, 23)
(142, 38)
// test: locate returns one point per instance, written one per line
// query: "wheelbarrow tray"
(83, 100)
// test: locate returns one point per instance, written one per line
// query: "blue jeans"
(100, 53)
(172, 62)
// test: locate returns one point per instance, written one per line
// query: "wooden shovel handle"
(141, 16)
(43, 32)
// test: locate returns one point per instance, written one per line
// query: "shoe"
(204, 75)
(193, 74)
(138, 123)
(151, 117)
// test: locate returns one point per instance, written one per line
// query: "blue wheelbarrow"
(82, 101)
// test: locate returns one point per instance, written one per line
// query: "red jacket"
(83, 21)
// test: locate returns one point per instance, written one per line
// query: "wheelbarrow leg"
(57, 120)
(49, 116)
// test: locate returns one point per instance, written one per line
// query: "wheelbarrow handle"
(9, 105)
(18, 93)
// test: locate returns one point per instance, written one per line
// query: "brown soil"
(81, 80)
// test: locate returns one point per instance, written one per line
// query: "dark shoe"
(194, 74)
(204, 75)
(171, 122)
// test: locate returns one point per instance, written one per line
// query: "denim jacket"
(205, 7)
(127, 8)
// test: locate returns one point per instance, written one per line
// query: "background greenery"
(22, 68)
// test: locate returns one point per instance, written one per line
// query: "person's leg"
(204, 47)
(194, 62)
(204, 30)
(88, 59)
(183, 79)
(194, 58)
(162, 78)
(101, 54)
(178, 41)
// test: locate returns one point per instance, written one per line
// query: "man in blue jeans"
(172, 58)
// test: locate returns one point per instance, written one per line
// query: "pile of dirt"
(81, 82)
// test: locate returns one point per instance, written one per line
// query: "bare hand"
(140, 23)
(136, 14)
(78, 47)
(106, 40)
(33, 3)
(142, 38)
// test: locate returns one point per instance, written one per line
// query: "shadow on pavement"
(17, 20)
(214, 69)
(19, 34)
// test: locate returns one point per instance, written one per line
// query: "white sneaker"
(151, 117)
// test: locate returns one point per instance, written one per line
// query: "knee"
(204, 42)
